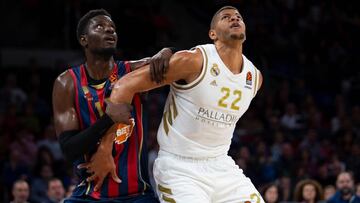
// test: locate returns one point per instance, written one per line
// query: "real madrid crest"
(215, 71)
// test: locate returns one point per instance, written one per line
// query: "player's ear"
(83, 41)
(212, 34)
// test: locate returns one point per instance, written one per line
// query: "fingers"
(152, 73)
(89, 171)
(119, 112)
(99, 184)
(166, 67)
(160, 72)
(83, 165)
(91, 178)
(115, 177)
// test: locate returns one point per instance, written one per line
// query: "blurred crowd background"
(304, 123)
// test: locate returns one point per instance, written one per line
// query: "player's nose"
(109, 29)
(234, 18)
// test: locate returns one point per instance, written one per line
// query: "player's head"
(345, 183)
(20, 191)
(96, 32)
(227, 24)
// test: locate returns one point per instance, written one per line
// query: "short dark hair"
(84, 21)
(212, 24)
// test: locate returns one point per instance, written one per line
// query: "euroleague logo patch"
(123, 132)
(215, 71)
(249, 78)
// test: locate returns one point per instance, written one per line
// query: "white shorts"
(216, 180)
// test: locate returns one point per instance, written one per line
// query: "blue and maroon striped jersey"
(130, 156)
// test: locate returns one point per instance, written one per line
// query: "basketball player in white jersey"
(211, 88)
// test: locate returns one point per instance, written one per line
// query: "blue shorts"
(143, 198)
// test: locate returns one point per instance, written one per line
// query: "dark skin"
(98, 42)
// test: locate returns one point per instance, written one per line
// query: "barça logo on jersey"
(124, 131)
(248, 78)
(215, 71)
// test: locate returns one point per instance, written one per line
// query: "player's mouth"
(235, 25)
(110, 39)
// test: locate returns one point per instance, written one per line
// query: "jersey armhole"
(256, 86)
(199, 78)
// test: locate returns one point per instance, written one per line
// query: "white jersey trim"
(199, 78)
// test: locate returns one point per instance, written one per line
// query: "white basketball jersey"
(199, 118)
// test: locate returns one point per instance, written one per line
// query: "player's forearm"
(134, 82)
(121, 93)
(75, 143)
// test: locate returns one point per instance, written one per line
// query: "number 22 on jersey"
(223, 102)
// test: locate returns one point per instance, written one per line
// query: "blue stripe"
(121, 68)
(95, 99)
(107, 90)
(123, 168)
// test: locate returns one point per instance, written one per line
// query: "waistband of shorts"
(191, 159)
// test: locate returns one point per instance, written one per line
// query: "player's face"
(101, 35)
(230, 25)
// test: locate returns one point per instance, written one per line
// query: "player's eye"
(225, 17)
(99, 27)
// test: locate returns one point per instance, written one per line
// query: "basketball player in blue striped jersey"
(82, 117)
(211, 87)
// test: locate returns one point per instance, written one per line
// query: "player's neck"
(231, 55)
(99, 67)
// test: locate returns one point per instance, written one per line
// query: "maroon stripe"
(127, 67)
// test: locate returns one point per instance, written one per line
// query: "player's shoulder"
(64, 81)
(188, 57)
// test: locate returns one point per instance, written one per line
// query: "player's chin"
(238, 36)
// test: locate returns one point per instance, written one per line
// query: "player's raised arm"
(184, 65)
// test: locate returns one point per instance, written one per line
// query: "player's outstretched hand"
(159, 65)
(119, 113)
(100, 166)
